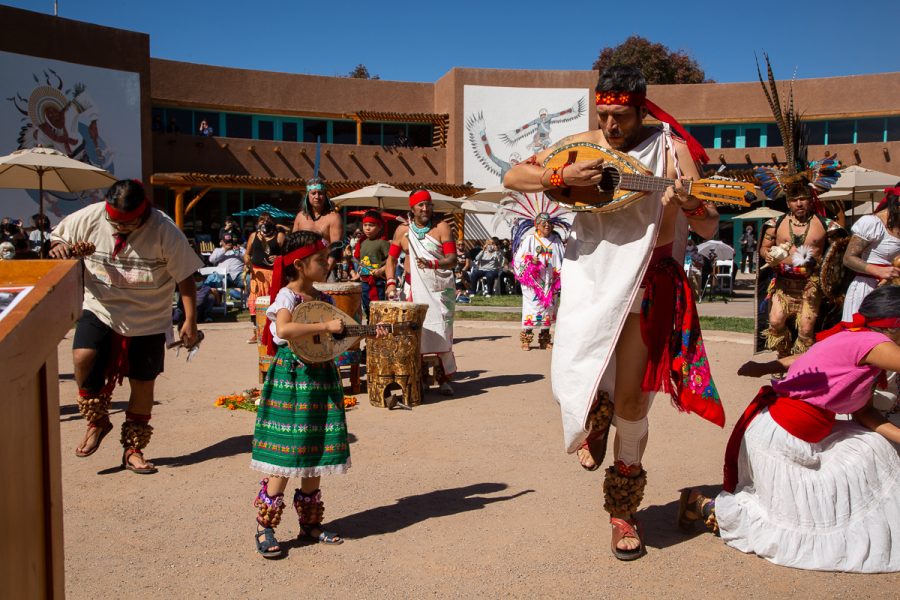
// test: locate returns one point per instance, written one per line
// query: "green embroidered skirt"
(301, 425)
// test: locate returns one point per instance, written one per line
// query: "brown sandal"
(126, 464)
(105, 428)
(622, 529)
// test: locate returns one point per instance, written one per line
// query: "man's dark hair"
(126, 194)
(294, 240)
(620, 78)
(264, 214)
(893, 206)
(304, 204)
(883, 303)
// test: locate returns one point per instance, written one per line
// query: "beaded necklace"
(798, 240)
(419, 231)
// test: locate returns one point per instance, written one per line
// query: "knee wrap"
(310, 509)
(631, 435)
(623, 489)
(544, 339)
(93, 407)
(136, 431)
(268, 508)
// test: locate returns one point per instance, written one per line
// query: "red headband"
(373, 220)
(639, 99)
(859, 322)
(891, 191)
(130, 215)
(278, 281)
(419, 196)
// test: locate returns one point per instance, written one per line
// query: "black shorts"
(146, 353)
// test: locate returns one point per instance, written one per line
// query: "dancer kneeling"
(801, 489)
(301, 427)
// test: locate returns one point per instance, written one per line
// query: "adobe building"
(453, 136)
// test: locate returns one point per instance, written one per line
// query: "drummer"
(430, 258)
(372, 252)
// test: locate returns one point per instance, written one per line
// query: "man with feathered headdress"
(793, 245)
(317, 213)
(537, 251)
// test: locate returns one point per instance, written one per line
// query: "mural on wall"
(505, 125)
(88, 113)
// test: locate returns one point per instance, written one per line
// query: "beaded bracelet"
(556, 179)
(392, 281)
(698, 211)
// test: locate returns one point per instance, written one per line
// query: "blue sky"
(420, 41)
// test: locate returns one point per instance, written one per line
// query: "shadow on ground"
(414, 509)
(659, 523)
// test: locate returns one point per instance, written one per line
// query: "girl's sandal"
(625, 529)
(268, 545)
(324, 537)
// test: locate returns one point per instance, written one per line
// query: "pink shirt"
(830, 374)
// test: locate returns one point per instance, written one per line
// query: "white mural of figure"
(501, 126)
(83, 112)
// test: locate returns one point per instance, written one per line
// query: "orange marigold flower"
(231, 407)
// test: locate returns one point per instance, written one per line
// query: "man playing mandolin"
(626, 326)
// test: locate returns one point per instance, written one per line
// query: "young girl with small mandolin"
(301, 427)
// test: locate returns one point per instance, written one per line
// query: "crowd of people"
(803, 486)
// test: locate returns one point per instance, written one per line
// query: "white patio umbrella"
(479, 206)
(723, 251)
(855, 180)
(494, 193)
(48, 169)
(387, 197)
(762, 212)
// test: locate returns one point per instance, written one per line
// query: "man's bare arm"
(526, 177)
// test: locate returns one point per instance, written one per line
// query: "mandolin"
(322, 347)
(625, 180)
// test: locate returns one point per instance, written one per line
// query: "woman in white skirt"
(801, 489)
(872, 248)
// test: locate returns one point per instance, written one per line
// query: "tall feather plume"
(771, 92)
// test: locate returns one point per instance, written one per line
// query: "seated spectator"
(23, 248)
(233, 228)
(207, 298)
(7, 251)
(40, 233)
(486, 264)
(231, 256)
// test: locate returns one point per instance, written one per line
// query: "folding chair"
(227, 301)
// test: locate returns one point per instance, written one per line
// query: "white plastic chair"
(724, 277)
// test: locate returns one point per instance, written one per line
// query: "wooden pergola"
(183, 183)
(440, 122)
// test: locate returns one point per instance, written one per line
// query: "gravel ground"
(471, 496)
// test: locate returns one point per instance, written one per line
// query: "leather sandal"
(129, 452)
(595, 444)
(104, 430)
(268, 545)
(325, 537)
(621, 529)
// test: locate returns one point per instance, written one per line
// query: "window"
(371, 134)
(869, 130)
(773, 136)
(394, 134)
(752, 136)
(159, 122)
(315, 130)
(705, 134)
(893, 129)
(840, 132)
(238, 126)
(343, 132)
(211, 118)
(289, 131)
(728, 138)
(816, 133)
(266, 130)
(179, 121)
(420, 135)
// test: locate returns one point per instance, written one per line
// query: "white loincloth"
(437, 289)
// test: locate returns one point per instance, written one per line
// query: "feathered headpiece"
(797, 174)
(522, 211)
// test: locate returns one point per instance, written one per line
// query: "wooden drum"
(395, 361)
(347, 296)
(262, 304)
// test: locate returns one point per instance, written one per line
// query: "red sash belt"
(801, 419)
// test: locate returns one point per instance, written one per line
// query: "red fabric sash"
(117, 365)
(676, 358)
(801, 419)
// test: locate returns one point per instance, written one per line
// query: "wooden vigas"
(347, 296)
(625, 181)
(394, 361)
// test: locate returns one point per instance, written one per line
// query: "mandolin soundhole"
(609, 179)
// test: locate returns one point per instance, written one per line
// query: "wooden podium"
(31, 512)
